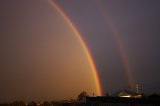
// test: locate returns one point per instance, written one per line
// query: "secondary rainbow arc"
(120, 46)
(84, 46)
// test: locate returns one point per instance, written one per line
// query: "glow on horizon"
(82, 42)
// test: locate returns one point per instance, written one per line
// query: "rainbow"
(119, 44)
(82, 42)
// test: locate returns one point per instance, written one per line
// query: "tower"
(137, 89)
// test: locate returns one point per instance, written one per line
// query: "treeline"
(32, 103)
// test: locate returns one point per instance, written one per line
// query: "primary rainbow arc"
(86, 50)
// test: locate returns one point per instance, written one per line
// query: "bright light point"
(127, 96)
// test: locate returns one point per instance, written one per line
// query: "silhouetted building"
(120, 101)
(127, 93)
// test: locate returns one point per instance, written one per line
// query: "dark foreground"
(95, 101)
(118, 101)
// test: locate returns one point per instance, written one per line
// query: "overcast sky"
(42, 59)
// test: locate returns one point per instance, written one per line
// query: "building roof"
(124, 93)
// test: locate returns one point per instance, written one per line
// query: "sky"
(41, 58)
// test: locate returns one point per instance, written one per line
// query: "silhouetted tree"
(46, 103)
(32, 103)
(82, 95)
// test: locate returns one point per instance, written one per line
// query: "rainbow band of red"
(109, 24)
(82, 42)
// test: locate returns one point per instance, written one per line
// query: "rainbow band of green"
(82, 42)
